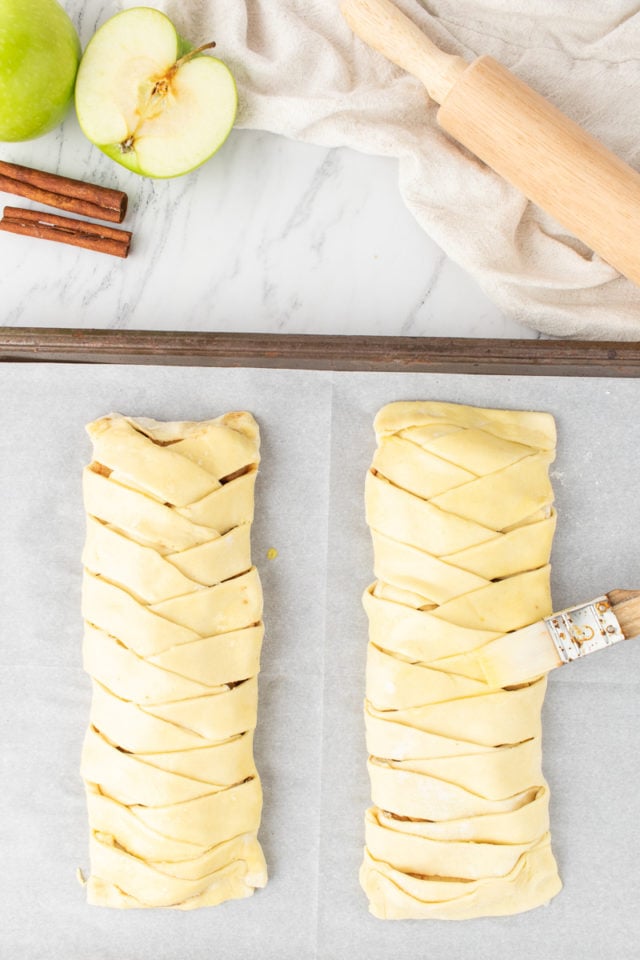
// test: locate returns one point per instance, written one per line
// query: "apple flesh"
(148, 101)
(39, 56)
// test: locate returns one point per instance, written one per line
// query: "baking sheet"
(317, 442)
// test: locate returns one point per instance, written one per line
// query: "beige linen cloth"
(301, 73)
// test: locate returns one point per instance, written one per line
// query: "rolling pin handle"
(385, 28)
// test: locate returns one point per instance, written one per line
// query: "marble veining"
(270, 235)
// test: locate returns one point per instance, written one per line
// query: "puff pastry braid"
(460, 509)
(172, 608)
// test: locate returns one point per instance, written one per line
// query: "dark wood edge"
(313, 352)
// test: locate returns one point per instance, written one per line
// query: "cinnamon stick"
(78, 233)
(74, 196)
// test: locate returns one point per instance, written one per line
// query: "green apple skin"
(39, 56)
(89, 93)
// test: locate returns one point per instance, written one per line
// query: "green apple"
(39, 55)
(150, 102)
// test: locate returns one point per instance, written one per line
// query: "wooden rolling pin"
(519, 134)
(568, 635)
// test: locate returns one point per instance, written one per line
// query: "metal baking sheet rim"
(322, 352)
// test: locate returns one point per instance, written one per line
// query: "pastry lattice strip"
(460, 510)
(173, 629)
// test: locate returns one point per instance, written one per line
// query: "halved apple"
(149, 101)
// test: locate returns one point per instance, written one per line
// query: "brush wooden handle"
(385, 28)
(520, 135)
(626, 606)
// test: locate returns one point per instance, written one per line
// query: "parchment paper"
(317, 442)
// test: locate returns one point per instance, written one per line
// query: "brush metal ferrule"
(579, 631)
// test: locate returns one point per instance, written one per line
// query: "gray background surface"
(317, 441)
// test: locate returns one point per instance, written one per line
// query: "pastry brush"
(519, 134)
(524, 655)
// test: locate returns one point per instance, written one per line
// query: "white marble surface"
(270, 235)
